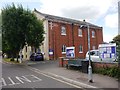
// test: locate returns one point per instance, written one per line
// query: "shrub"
(110, 71)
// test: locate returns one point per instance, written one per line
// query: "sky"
(103, 13)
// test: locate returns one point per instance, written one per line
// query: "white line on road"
(3, 81)
(37, 79)
(19, 80)
(62, 79)
(23, 78)
(39, 72)
(12, 82)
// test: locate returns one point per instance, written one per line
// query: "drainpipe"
(72, 34)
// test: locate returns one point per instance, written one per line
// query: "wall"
(56, 40)
(98, 65)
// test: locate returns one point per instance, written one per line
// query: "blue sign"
(107, 50)
(50, 51)
(70, 52)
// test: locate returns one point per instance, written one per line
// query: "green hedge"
(110, 71)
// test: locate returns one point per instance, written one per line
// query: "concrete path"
(52, 67)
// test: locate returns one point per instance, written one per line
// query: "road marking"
(62, 79)
(19, 80)
(23, 78)
(3, 82)
(39, 72)
(12, 82)
(37, 79)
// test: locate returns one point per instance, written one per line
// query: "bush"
(110, 71)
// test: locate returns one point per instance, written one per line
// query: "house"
(63, 32)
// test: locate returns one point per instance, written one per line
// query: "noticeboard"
(50, 52)
(70, 52)
(107, 50)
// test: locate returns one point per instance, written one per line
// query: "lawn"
(9, 60)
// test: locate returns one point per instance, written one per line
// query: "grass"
(9, 60)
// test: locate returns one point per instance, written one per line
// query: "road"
(20, 76)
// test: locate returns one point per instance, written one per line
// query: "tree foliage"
(20, 27)
(117, 41)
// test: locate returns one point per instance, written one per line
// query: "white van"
(94, 54)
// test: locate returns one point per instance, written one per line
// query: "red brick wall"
(56, 40)
(97, 65)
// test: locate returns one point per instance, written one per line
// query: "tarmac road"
(20, 76)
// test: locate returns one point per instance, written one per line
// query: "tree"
(117, 41)
(20, 27)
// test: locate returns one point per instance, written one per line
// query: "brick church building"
(63, 32)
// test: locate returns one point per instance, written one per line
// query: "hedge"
(110, 71)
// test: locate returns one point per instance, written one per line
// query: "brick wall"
(56, 40)
(97, 65)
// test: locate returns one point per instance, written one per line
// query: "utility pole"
(89, 67)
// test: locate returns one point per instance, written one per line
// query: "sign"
(107, 50)
(50, 51)
(70, 52)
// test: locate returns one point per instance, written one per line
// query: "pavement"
(73, 76)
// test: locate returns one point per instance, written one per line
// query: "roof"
(73, 21)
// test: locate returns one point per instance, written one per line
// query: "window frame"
(93, 47)
(93, 34)
(63, 49)
(80, 48)
(80, 33)
(63, 30)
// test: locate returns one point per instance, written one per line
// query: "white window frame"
(93, 34)
(80, 32)
(80, 49)
(93, 47)
(63, 49)
(63, 30)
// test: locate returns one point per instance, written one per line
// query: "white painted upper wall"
(44, 48)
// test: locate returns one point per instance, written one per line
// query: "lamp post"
(89, 67)
(90, 79)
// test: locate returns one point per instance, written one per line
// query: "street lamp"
(89, 67)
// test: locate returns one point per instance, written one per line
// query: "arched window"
(63, 30)
(80, 32)
(93, 34)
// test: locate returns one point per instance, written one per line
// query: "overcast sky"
(103, 13)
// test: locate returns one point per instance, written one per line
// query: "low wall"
(95, 65)
(98, 65)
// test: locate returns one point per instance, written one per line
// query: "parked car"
(94, 54)
(36, 57)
